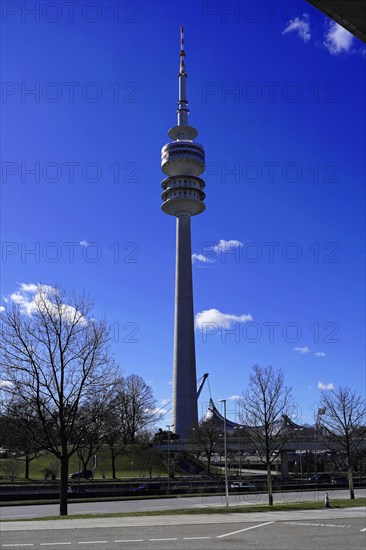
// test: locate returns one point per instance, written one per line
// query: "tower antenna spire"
(183, 111)
(182, 51)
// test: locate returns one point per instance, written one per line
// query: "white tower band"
(183, 160)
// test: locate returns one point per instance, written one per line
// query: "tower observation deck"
(183, 161)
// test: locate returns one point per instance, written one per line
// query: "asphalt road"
(42, 510)
(309, 530)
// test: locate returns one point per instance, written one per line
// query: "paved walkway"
(325, 514)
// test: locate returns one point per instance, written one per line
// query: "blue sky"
(277, 95)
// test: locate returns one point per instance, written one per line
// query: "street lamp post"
(300, 430)
(225, 452)
(169, 426)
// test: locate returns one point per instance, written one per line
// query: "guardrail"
(154, 488)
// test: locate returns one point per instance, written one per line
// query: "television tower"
(183, 160)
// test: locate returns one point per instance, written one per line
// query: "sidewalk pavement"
(196, 519)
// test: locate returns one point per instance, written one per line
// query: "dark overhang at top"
(350, 14)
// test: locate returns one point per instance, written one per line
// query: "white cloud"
(165, 401)
(201, 258)
(337, 39)
(156, 411)
(25, 302)
(28, 295)
(301, 26)
(222, 247)
(2, 308)
(305, 349)
(325, 387)
(226, 246)
(234, 398)
(31, 295)
(216, 317)
(84, 243)
(320, 354)
(5, 383)
(28, 287)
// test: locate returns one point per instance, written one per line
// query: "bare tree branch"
(55, 358)
(264, 404)
(344, 425)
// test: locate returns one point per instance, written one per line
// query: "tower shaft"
(183, 161)
(184, 375)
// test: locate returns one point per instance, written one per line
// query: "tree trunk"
(85, 465)
(350, 483)
(27, 462)
(209, 464)
(269, 484)
(113, 466)
(64, 483)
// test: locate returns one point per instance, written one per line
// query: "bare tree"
(90, 421)
(264, 404)
(114, 437)
(207, 440)
(344, 425)
(56, 358)
(152, 459)
(137, 404)
(24, 435)
(5, 424)
(132, 412)
(12, 468)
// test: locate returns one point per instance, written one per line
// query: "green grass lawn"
(132, 463)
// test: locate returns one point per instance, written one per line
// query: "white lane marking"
(246, 529)
(307, 524)
(154, 540)
(363, 530)
(129, 540)
(24, 544)
(195, 538)
(93, 542)
(53, 543)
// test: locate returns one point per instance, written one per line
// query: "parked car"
(340, 480)
(240, 485)
(81, 474)
(321, 478)
(141, 487)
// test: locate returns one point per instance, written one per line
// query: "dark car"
(81, 474)
(340, 480)
(141, 487)
(321, 478)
